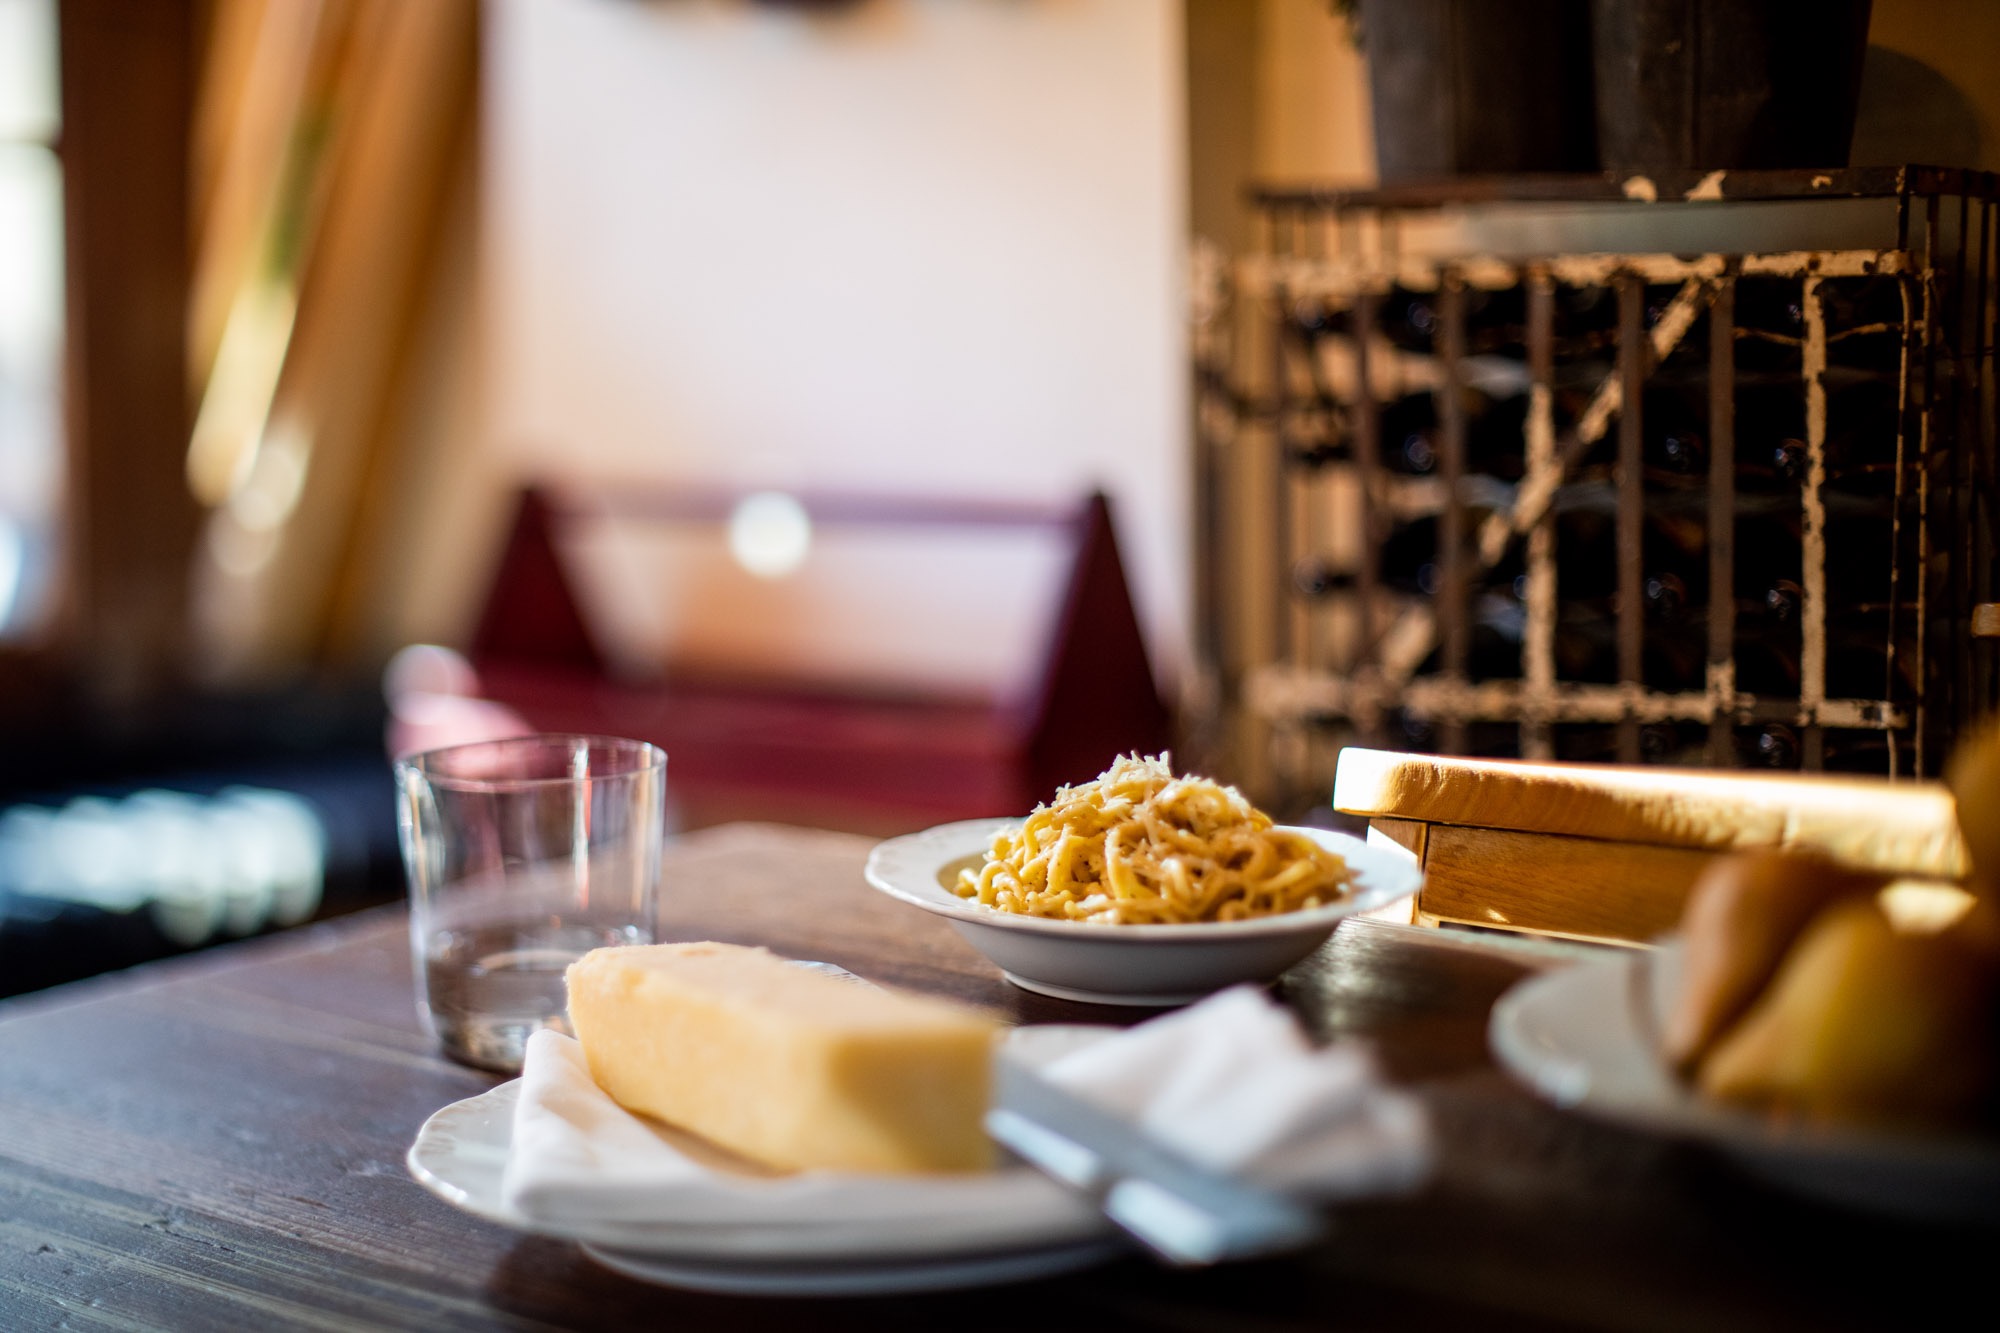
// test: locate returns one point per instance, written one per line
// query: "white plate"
(1142, 965)
(847, 1277)
(461, 1151)
(1584, 1037)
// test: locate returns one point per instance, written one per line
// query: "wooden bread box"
(1608, 853)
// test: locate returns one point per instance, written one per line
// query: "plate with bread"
(1836, 1031)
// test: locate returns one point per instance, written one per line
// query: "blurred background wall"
(918, 246)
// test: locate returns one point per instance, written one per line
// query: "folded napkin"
(1233, 1083)
(1230, 1082)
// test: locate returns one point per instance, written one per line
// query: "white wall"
(929, 246)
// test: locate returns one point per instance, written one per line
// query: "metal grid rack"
(1725, 508)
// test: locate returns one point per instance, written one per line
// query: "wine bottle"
(1773, 745)
(1408, 560)
(1411, 562)
(1768, 550)
(1496, 438)
(1312, 318)
(1682, 744)
(1858, 664)
(1859, 302)
(1674, 447)
(1421, 735)
(1859, 559)
(1770, 424)
(1411, 565)
(1315, 577)
(1585, 323)
(1413, 436)
(1409, 320)
(1314, 454)
(1860, 451)
(1585, 743)
(1768, 642)
(1675, 440)
(1671, 660)
(1673, 585)
(1770, 606)
(1675, 743)
(1496, 322)
(1499, 624)
(1690, 353)
(1770, 327)
(1862, 318)
(1862, 422)
(1410, 442)
(1860, 750)
(1857, 661)
(1496, 618)
(1842, 749)
(1673, 554)
(1864, 323)
(1769, 645)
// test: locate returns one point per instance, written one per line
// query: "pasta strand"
(1139, 846)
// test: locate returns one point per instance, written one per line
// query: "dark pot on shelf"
(1479, 87)
(1697, 85)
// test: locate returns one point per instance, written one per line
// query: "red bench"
(743, 745)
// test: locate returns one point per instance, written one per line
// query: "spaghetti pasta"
(1139, 846)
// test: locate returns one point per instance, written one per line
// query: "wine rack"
(1730, 507)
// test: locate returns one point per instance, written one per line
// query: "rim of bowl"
(977, 832)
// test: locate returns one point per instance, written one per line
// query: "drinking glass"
(522, 855)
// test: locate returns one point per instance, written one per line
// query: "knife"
(1187, 1214)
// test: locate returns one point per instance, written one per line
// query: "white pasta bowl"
(1116, 964)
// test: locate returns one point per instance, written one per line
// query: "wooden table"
(217, 1143)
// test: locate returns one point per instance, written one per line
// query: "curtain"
(332, 174)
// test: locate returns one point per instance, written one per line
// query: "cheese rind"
(784, 1065)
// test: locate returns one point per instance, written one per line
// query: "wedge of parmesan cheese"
(782, 1064)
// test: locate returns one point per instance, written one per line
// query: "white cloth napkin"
(1233, 1083)
(1230, 1082)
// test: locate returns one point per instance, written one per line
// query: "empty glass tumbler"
(522, 855)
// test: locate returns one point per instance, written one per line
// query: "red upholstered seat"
(802, 751)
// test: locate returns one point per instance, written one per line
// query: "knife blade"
(1186, 1213)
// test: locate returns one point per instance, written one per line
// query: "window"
(31, 316)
